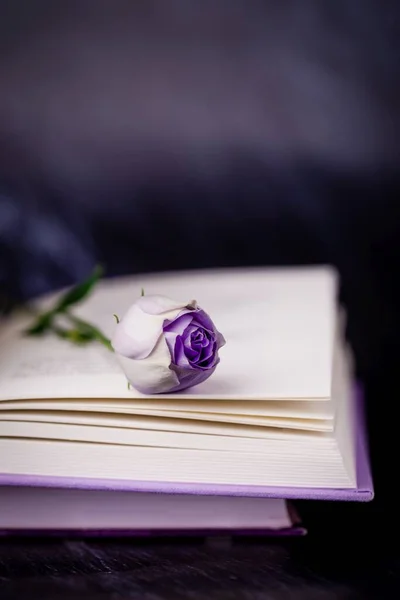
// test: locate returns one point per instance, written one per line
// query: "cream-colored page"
(304, 463)
(160, 418)
(169, 407)
(278, 324)
(172, 434)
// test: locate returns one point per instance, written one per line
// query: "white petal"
(155, 305)
(138, 332)
(151, 375)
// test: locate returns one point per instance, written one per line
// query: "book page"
(311, 461)
(298, 409)
(278, 323)
(105, 418)
(47, 367)
(150, 432)
(44, 509)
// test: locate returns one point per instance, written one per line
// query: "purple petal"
(190, 378)
(209, 351)
(192, 355)
(188, 332)
(204, 342)
(202, 319)
(220, 340)
(188, 343)
(179, 323)
(199, 338)
(170, 338)
(180, 358)
(208, 361)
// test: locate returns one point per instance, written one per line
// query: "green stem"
(89, 330)
(82, 332)
(72, 335)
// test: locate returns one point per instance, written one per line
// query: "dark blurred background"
(155, 135)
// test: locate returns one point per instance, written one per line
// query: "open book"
(281, 417)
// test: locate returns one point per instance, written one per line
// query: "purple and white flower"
(166, 346)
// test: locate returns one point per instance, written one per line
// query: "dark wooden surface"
(350, 552)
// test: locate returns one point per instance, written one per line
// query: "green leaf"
(79, 291)
(42, 323)
(81, 332)
(91, 332)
